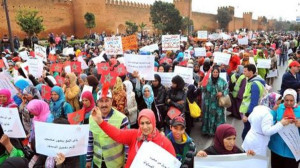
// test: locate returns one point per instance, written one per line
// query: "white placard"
(24, 55)
(272, 73)
(223, 75)
(5, 83)
(243, 41)
(11, 123)
(152, 155)
(71, 140)
(264, 63)
(290, 135)
(221, 58)
(150, 48)
(99, 59)
(40, 52)
(35, 67)
(251, 60)
(170, 42)
(144, 64)
(182, 38)
(23, 67)
(185, 73)
(231, 161)
(166, 78)
(214, 36)
(199, 52)
(83, 63)
(86, 88)
(68, 69)
(113, 45)
(225, 36)
(67, 51)
(202, 34)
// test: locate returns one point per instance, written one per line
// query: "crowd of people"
(134, 110)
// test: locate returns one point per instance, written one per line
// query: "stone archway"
(121, 29)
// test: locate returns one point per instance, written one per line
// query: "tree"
(131, 27)
(90, 21)
(142, 26)
(187, 24)
(264, 20)
(29, 22)
(224, 16)
(165, 17)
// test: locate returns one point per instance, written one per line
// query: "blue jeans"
(247, 127)
(282, 58)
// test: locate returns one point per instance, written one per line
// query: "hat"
(294, 63)
(100, 95)
(178, 121)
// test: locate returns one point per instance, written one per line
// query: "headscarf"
(289, 112)
(246, 62)
(156, 89)
(213, 79)
(7, 94)
(56, 105)
(83, 77)
(118, 87)
(223, 131)
(32, 91)
(270, 100)
(206, 64)
(92, 81)
(191, 95)
(21, 84)
(39, 109)
(150, 115)
(150, 99)
(88, 95)
(72, 78)
(129, 89)
(179, 82)
(239, 70)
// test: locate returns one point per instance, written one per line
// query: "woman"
(131, 104)
(160, 94)
(246, 59)
(213, 113)
(82, 80)
(72, 91)
(281, 155)
(58, 105)
(6, 100)
(88, 104)
(272, 100)
(261, 71)
(270, 80)
(161, 68)
(262, 128)
(119, 96)
(92, 81)
(20, 84)
(134, 138)
(192, 95)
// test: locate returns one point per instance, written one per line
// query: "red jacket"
(129, 137)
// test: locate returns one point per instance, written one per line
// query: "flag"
(121, 70)
(67, 63)
(76, 117)
(52, 58)
(46, 92)
(1, 63)
(109, 77)
(206, 78)
(76, 66)
(173, 112)
(56, 67)
(103, 67)
(59, 80)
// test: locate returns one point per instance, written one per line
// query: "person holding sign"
(261, 71)
(6, 100)
(134, 138)
(281, 154)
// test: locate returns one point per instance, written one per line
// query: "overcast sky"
(287, 9)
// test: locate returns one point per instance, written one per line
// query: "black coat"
(160, 94)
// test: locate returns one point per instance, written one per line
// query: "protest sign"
(24, 55)
(170, 42)
(86, 88)
(290, 135)
(71, 140)
(5, 83)
(11, 123)
(185, 73)
(231, 161)
(214, 36)
(182, 38)
(83, 63)
(251, 60)
(221, 58)
(243, 41)
(264, 63)
(202, 34)
(272, 73)
(166, 78)
(40, 52)
(223, 75)
(130, 43)
(35, 67)
(147, 156)
(99, 59)
(200, 52)
(150, 48)
(67, 51)
(113, 45)
(144, 64)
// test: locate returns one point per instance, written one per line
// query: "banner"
(71, 140)
(166, 78)
(11, 123)
(144, 64)
(152, 155)
(231, 161)
(5, 83)
(264, 63)
(202, 34)
(40, 52)
(200, 52)
(290, 135)
(243, 41)
(221, 58)
(113, 45)
(130, 43)
(170, 42)
(35, 67)
(185, 73)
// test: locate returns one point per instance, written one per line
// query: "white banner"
(35, 67)
(231, 161)
(5, 83)
(152, 155)
(67, 51)
(11, 123)
(166, 78)
(144, 64)
(150, 48)
(182, 38)
(113, 45)
(272, 73)
(40, 52)
(71, 140)
(221, 58)
(170, 42)
(243, 41)
(264, 63)
(290, 135)
(24, 55)
(200, 52)
(185, 73)
(202, 34)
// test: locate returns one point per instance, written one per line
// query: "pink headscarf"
(150, 115)
(88, 95)
(39, 109)
(6, 93)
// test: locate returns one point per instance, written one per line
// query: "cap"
(294, 63)
(100, 95)
(178, 121)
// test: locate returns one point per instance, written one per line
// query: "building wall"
(204, 21)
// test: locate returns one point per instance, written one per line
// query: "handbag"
(195, 110)
(225, 101)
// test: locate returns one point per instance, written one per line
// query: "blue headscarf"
(150, 99)
(21, 84)
(55, 106)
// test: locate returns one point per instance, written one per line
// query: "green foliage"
(187, 23)
(29, 22)
(131, 27)
(90, 20)
(224, 16)
(142, 26)
(165, 17)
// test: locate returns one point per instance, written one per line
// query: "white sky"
(287, 9)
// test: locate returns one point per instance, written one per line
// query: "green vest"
(247, 96)
(111, 151)
(237, 86)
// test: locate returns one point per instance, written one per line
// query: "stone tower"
(247, 20)
(184, 7)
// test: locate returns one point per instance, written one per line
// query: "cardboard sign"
(40, 52)
(11, 123)
(35, 67)
(113, 45)
(221, 58)
(264, 63)
(202, 34)
(166, 78)
(130, 43)
(185, 73)
(144, 64)
(290, 135)
(170, 42)
(243, 41)
(199, 52)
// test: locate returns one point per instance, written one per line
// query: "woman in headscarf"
(88, 104)
(131, 104)
(281, 155)
(119, 96)
(213, 115)
(272, 100)
(192, 94)
(20, 84)
(72, 91)
(160, 94)
(82, 80)
(261, 71)
(134, 138)
(273, 58)
(245, 61)
(59, 107)
(6, 100)
(92, 81)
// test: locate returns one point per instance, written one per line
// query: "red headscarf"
(88, 95)
(150, 115)
(223, 131)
